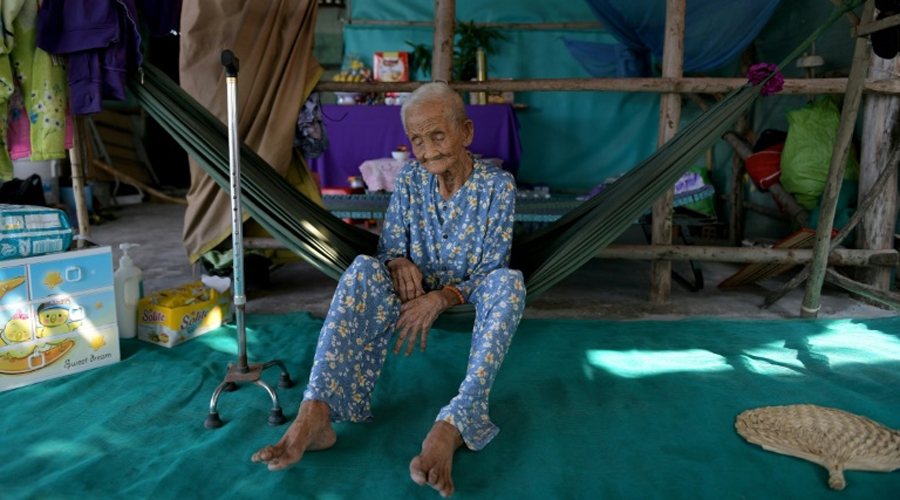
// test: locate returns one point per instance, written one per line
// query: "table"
(359, 133)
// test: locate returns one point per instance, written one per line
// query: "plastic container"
(67, 198)
(129, 285)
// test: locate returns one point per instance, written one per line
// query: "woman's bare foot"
(310, 431)
(433, 465)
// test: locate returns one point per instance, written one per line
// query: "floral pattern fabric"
(454, 242)
(462, 242)
(33, 96)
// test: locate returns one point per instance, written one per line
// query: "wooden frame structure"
(673, 83)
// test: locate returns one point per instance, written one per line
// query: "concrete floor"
(603, 289)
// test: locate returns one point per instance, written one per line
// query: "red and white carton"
(391, 67)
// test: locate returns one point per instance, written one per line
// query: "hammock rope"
(545, 257)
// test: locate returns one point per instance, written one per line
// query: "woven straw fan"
(834, 439)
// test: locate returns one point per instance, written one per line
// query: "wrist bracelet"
(459, 294)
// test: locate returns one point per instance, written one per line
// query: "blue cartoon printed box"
(57, 316)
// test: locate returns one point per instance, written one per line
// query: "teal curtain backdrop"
(576, 140)
(570, 140)
(494, 11)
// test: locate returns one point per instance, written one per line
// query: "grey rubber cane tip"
(276, 417)
(213, 421)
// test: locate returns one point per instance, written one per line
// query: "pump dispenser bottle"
(129, 287)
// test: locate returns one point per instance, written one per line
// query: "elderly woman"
(446, 241)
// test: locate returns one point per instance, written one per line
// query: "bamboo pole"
(867, 203)
(129, 179)
(736, 200)
(841, 256)
(851, 16)
(736, 197)
(794, 86)
(881, 135)
(444, 27)
(888, 22)
(882, 297)
(76, 158)
(789, 203)
(812, 299)
(588, 25)
(669, 116)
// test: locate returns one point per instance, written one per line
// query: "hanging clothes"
(310, 135)
(39, 125)
(8, 12)
(277, 73)
(33, 97)
(102, 41)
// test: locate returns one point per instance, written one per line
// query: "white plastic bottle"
(129, 285)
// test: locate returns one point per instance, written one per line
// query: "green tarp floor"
(587, 409)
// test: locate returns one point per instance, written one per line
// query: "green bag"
(807, 151)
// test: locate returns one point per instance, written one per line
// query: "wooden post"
(669, 116)
(881, 135)
(655, 85)
(131, 180)
(867, 203)
(812, 299)
(444, 33)
(875, 295)
(736, 212)
(76, 158)
(789, 203)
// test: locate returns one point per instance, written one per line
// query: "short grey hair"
(436, 91)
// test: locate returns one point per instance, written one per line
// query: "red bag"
(764, 167)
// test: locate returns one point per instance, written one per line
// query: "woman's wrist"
(454, 295)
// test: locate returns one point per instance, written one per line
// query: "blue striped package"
(26, 231)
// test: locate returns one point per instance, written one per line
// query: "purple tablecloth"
(360, 133)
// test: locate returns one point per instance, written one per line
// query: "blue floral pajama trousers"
(355, 338)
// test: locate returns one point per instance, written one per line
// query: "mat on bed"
(587, 409)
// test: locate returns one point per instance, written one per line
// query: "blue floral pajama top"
(454, 242)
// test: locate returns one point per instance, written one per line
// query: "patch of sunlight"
(847, 342)
(774, 359)
(55, 448)
(634, 364)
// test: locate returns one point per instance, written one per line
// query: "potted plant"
(469, 38)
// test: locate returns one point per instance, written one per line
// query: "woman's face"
(438, 143)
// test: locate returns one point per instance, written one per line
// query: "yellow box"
(173, 316)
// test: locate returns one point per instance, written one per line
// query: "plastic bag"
(808, 149)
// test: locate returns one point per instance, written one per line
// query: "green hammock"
(545, 257)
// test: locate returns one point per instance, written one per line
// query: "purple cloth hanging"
(360, 133)
(102, 41)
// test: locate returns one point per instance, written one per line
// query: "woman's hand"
(407, 279)
(417, 316)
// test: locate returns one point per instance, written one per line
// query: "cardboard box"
(57, 316)
(173, 316)
(391, 67)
